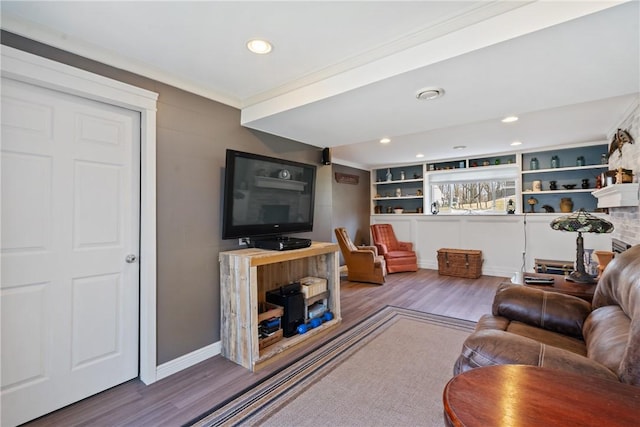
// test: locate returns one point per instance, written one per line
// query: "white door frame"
(35, 70)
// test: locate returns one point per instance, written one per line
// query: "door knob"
(131, 258)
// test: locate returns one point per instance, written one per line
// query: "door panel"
(70, 215)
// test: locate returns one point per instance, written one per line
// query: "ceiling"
(345, 74)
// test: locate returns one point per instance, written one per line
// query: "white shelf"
(575, 190)
(563, 169)
(398, 198)
(399, 181)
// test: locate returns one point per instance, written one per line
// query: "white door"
(70, 218)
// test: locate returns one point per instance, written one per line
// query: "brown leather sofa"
(398, 255)
(540, 328)
(363, 262)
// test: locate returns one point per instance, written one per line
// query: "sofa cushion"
(492, 347)
(554, 339)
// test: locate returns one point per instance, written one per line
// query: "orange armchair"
(363, 263)
(399, 256)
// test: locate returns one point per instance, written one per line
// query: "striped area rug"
(388, 370)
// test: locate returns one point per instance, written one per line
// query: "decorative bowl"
(569, 186)
(398, 211)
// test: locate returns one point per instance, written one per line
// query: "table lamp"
(581, 222)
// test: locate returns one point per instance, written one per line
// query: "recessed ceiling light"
(259, 46)
(459, 147)
(385, 141)
(514, 143)
(510, 119)
(419, 155)
(429, 93)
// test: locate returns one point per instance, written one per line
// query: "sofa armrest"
(492, 347)
(552, 311)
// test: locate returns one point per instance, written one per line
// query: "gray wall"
(192, 135)
(351, 205)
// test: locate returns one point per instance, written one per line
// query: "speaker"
(326, 156)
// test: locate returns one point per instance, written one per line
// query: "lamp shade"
(582, 221)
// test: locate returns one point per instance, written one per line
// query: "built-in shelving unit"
(574, 174)
(576, 167)
(398, 187)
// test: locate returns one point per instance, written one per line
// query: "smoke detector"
(429, 93)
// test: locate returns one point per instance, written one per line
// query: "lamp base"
(579, 277)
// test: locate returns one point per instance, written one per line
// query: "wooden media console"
(245, 277)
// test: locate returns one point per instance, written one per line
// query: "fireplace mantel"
(617, 195)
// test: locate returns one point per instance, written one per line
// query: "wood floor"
(181, 397)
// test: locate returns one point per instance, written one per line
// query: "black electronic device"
(326, 156)
(292, 300)
(539, 280)
(266, 196)
(282, 243)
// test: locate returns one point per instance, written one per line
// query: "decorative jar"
(566, 204)
(533, 164)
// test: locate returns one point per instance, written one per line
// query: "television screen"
(266, 196)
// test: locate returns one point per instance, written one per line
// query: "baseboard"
(188, 360)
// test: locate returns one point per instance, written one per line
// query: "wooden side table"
(518, 395)
(560, 285)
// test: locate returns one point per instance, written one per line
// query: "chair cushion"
(400, 254)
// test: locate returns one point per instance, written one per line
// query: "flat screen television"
(266, 196)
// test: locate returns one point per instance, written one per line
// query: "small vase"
(566, 204)
(585, 183)
(604, 258)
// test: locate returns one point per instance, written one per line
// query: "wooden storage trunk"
(460, 263)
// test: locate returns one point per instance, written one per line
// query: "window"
(473, 191)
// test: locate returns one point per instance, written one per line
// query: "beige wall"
(192, 136)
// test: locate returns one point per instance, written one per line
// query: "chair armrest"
(362, 261)
(363, 255)
(369, 248)
(405, 246)
(552, 311)
(382, 248)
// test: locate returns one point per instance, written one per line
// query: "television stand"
(281, 243)
(246, 275)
